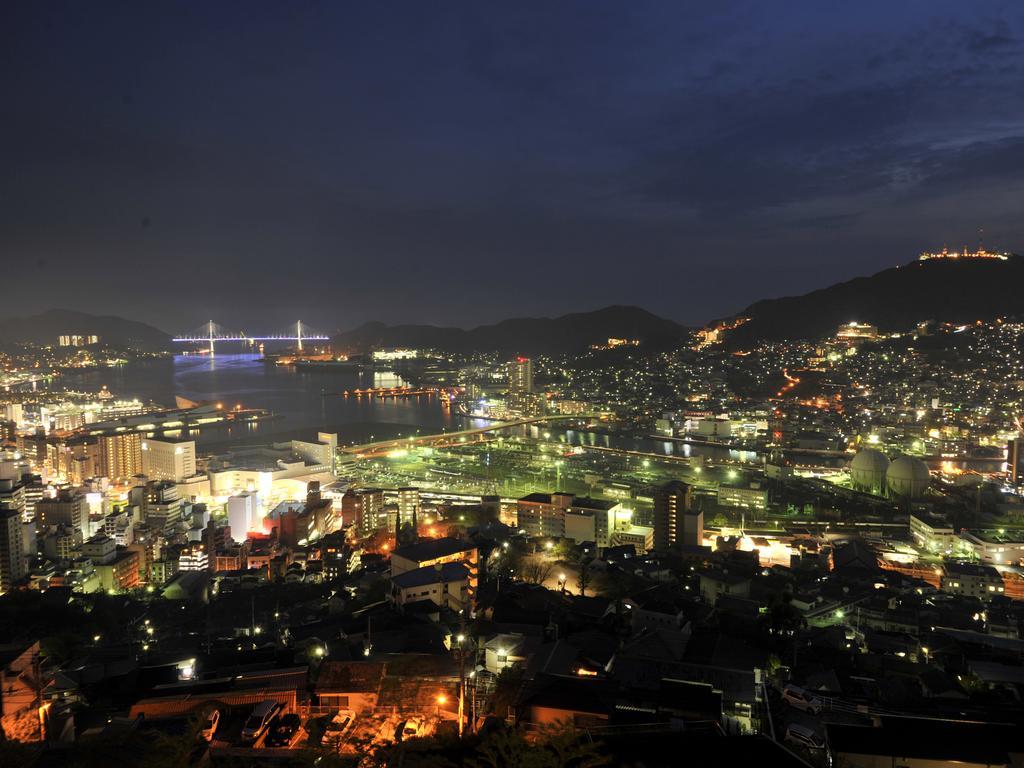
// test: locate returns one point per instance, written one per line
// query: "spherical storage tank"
(867, 471)
(907, 477)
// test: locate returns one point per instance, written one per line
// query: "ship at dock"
(323, 363)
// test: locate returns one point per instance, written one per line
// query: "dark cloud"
(462, 164)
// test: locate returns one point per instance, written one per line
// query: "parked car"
(338, 726)
(801, 699)
(804, 736)
(284, 731)
(210, 723)
(260, 719)
(411, 729)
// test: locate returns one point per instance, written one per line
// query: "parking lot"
(360, 734)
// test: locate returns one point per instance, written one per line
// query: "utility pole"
(473, 705)
(37, 674)
(462, 671)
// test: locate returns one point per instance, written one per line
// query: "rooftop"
(940, 740)
(350, 676)
(428, 574)
(972, 569)
(431, 549)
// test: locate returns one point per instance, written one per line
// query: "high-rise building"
(243, 511)
(13, 466)
(35, 490)
(12, 555)
(693, 528)
(520, 375)
(671, 502)
(543, 514)
(215, 539)
(121, 454)
(194, 558)
(1015, 460)
(68, 508)
(339, 559)
(61, 544)
(12, 496)
(580, 518)
(321, 453)
(168, 460)
(15, 412)
(100, 549)
(408, 505)
(365, 507)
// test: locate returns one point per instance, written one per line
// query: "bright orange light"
(442, 699)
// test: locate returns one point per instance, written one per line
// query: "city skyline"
(553, 383)
(617, 151)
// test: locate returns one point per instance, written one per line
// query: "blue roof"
(430, 574)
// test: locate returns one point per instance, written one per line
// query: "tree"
(536, 571)
(506, 690)
(783, 618)
(551, 748)
(583, 576)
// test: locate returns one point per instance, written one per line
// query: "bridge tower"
(211, 337)
(298, 334)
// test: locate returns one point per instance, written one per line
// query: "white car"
(338, 726)
(412, 728)
(210, 724)
(801, 699)
(804, 736)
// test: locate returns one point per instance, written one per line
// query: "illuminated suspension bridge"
(212, 333)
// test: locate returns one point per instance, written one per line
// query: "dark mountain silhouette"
(46, 327)
(894, 299)
(528, 336)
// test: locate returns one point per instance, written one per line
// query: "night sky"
(460, 163)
